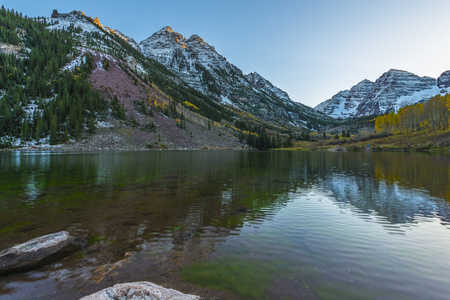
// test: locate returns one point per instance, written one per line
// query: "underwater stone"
(35, 252)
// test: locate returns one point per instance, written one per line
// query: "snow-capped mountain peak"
(198, 63)
(88, 25)
(391, 91)
(168, 29)
(196, 38)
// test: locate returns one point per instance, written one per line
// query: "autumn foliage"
(433, 114)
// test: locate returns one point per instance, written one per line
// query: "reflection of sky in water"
(226, 197)
(38, 164)
(324, 242)
(32, 189)
(103, 172)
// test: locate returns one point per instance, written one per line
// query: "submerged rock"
(243, 210)
(35, 252)
(139, 290)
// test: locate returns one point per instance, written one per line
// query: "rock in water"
(139, 290)
(35, 252)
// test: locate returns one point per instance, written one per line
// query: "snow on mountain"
(392, 91)
(192, 59)
(81, 58)
(198, 63)
(75, 19)
(262, 84)
(87, 25)
(195, 62)
(345, 103)
(419, 97)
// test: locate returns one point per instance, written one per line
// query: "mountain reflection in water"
(156, 215)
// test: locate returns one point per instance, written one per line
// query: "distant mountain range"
(200, 99)
(198, 64)
(392, 91)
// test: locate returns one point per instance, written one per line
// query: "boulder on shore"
(35, 252)
(338, 149)
(139, 290)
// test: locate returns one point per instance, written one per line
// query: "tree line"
(433, 114)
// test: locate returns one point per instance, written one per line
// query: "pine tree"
(53, 131)
(39, 129)
(24, 131)
(91, 125)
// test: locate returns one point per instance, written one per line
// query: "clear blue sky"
(310, 49)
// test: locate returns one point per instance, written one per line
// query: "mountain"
(392, 91)
(345, 103)
(86, 25)
(70, 82)
(198, 63)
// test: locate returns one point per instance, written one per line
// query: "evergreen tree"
(53, 131)
(91, 125)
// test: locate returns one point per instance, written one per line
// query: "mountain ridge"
(203, 68)
(393, 90)
(138, 102)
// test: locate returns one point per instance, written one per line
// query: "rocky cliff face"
(443, 81)
(192, 59)
(199, 64)
(345, 103)
(261, 84)
(393, 90)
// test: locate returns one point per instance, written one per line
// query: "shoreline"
(231, 149)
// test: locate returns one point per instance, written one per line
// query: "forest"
(38, 100)
(433, 114)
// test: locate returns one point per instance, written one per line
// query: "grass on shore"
(425, 140)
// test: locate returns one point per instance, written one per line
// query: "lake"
(233, 224)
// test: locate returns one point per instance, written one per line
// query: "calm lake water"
(233, 224)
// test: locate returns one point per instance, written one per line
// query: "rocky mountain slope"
(145, 124)
(392, 91)
(90, 87)
(93, 88)
(198, 63)
(199, 66)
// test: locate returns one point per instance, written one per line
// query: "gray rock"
(35, 252)
(139, 291)
(55, 13)
(444, 80)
